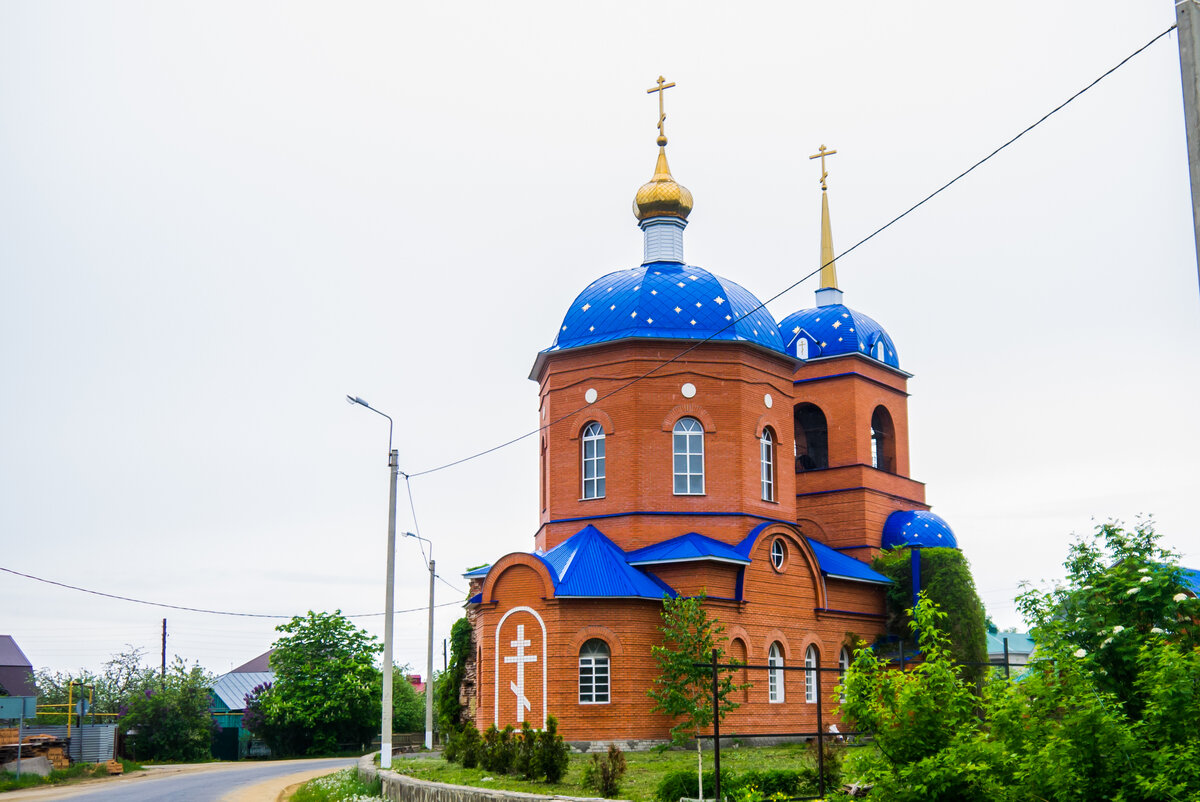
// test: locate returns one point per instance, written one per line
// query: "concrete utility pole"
(1187, 17)
(385, 726)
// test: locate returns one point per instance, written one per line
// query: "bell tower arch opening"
(812, 438)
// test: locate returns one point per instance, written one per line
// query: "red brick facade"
(739, 389)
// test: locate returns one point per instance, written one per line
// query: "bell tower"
(850, 415)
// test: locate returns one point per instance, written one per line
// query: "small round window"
(778, 553)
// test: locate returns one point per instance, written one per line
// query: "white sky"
(217, 219)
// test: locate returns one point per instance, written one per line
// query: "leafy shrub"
(553, 754)
(603, 774)
(788, 782)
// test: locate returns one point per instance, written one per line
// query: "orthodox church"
(692, 444)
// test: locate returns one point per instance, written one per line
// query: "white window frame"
(687, 443)
(766, 456)
(811, 660)
(595, 672)
(775, 692)
(843, 667)
(593, 439)
(778, 554)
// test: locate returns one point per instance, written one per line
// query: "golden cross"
(662, 116)
(821, 154)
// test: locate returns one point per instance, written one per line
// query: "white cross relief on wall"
(520, 658)
(528, 696)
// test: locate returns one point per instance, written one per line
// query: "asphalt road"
(209, 782)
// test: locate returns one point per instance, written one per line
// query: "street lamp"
(385, 733)
(429, 651)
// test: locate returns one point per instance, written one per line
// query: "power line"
(797, 283)
(199, 609)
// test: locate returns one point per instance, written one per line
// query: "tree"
(173, 720)
(408, 706)
(123, 679)
(683, 689)
(326, 689)
(1106, 710)
(946, 580)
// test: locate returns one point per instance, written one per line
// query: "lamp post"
(385, 729)
(429, 651)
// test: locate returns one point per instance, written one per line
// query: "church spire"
(662, 204)
(828, 293)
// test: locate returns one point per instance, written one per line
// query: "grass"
(76, 773)
(643, 773)
(341, 786)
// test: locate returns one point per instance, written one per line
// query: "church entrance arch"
(516, 656)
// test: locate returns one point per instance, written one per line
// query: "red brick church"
(693, 444)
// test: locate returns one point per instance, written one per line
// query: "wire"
(797, 283)
(201, 609)
(416, 526)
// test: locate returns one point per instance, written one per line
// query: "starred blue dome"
(834, 330)
(666, 300)
(917, 528)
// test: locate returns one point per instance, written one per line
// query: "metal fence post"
(716, 728)
(1006, 672)
(820, 732)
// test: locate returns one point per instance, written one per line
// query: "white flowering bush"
(1108, 708)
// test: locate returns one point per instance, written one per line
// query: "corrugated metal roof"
(588, 564)
(686, 548)
(837, 329)
(1018, 643)
(232, 688)
(481, 571)
(11, 654)
(258, 664)
(836, 565)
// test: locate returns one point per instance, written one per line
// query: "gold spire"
(662, 196)
(828, 269)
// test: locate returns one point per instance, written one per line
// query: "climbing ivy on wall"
(947, 581)
(449, 710)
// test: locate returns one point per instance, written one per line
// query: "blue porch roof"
(686, 548)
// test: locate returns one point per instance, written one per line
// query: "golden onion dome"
(661, 196)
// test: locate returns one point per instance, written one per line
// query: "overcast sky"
(217, 219)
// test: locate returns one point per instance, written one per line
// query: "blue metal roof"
(835, 565)
(232, 688)
(917, 528)
(686, 548)
(831, 563)
(835, 330)
(666, 300)
(481, 571)
(1018, 643)
(588, 564)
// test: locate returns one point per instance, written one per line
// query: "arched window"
(879, 351)
(593, 672)
(883, 441)
(812, 438)
(810, 677)
(593, 461)
(775, 673)
(688, 449)
(766, 457)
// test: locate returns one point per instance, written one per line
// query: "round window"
(778, 553)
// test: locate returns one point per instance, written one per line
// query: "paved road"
(209, 782)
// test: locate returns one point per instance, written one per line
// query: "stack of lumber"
(47, 746)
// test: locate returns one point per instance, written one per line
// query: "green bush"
(500, 749)
(470, 747)
(788, 782)
(603, 774)
(682, 783)
(525, 762)
(553, 755)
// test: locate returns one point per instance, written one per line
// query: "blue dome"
(835, 330)
(917, 528)
(666, 300)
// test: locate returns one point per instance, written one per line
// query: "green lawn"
(645, 770)
(80, 771)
